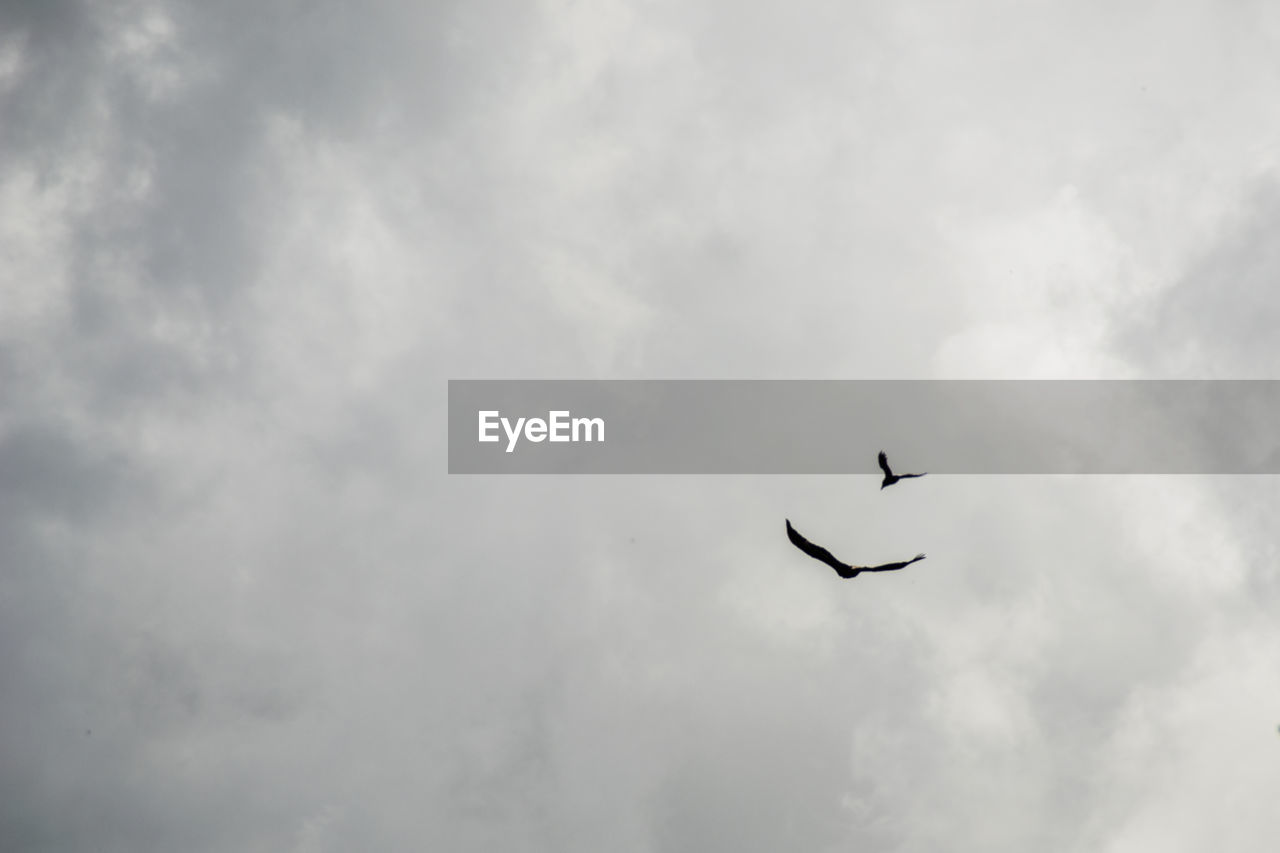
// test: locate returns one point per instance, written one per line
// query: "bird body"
(889, 477)
(843, 569)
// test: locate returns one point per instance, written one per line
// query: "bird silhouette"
(889, 477)
(844, 570)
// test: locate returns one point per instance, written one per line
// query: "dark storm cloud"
(126, 705)
(83, 118)
(166, 111)
(46, 472)
(57, 41)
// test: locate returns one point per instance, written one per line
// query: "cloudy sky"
(244, 245)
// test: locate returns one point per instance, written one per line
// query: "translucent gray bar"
(837, 427)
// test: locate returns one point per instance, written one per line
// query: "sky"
(244, 245)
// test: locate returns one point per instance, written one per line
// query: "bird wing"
(893, 567)
(884, 464)
(819, 553)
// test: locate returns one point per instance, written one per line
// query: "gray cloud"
(1214, 320)
(243, 607)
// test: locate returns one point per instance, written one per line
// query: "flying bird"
(889, 477)
(844, 570)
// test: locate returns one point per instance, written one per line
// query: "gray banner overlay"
(837, 427)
